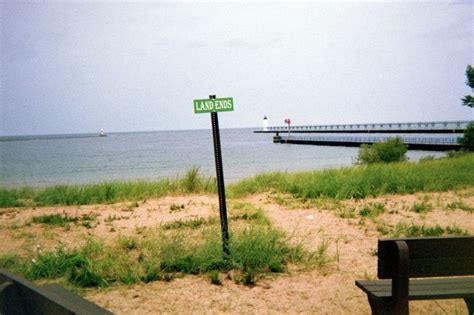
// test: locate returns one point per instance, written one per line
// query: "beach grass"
(365, 180)
(255, 250)
(171, 250)
(414, 230)
(344, 183)
(108, 192)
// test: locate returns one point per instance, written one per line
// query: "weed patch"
(54, 219)
(413, 230)
(214, 277)
(421, 207)
(372, 210)
(175, 207)
(459, 204)
(346, 213)
(192, 224)
(254, 251)
(257, 216)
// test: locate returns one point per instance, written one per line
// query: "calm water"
(49, 160)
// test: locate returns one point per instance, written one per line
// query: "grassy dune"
(108, 192)
(363, 181)
(344, 183)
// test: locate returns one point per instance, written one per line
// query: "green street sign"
(213, 105)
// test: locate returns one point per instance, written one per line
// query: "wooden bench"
(19, 296)
(401, 259)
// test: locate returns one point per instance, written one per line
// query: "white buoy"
(265, 123)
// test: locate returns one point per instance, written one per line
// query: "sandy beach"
(351, 237)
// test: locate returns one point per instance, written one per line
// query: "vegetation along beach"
(298, 240)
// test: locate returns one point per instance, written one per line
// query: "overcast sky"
(79, 67)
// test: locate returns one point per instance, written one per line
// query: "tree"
(468, 100)
(394, 150)
(467, 141)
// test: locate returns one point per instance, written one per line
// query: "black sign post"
(220, 180)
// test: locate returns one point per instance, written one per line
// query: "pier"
(414, 143)
(437, 136)
(406, 127)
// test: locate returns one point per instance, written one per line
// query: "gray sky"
(74, 67)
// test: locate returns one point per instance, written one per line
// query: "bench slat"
(468, 281)
(422, 289)
(430, 267)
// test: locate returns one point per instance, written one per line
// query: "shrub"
(467, 141)
(394, 150)
(451, 154)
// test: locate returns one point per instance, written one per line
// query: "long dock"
(399, 127)
(413, 143)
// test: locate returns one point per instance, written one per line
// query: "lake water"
(72, 159)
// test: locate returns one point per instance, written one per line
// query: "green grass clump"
(128, 242)
(346, 213)
(176, 207)
(56, 264)
(365, 180)
(54, 219)
(459, 204)
(214, 277)
(256, 215)
(193, 223)
(414, 230)
(422, 207)
(75, 265)
(13, 262)
(372, 210)
(260, 250)
(64, 219)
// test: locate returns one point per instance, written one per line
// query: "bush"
(394, 150)
(467, 141)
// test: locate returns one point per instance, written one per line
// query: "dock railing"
(373, 139)
(448, 126)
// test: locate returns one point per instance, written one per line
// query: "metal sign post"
(213, 106)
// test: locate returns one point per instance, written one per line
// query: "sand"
(331, 290)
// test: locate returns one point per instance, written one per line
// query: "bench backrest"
(20, 296)
(429, 257)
